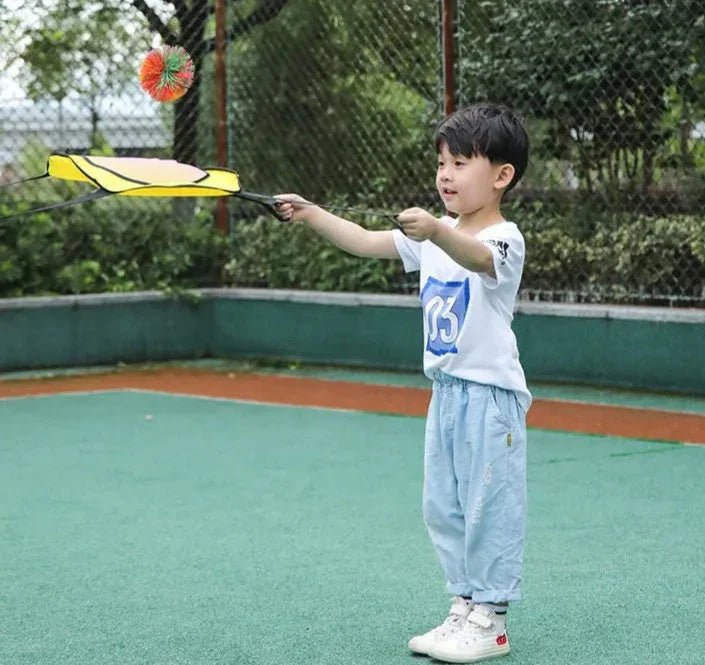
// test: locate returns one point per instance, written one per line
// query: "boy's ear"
(505, 174)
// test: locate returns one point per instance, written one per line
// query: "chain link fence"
(338, 101)
(614, 96)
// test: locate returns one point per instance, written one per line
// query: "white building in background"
(128, 128)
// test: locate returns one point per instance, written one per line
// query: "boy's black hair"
(486, 130)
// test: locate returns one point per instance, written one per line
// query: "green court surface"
(148, 529)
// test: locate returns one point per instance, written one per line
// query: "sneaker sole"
(449, 658)
(417, 651)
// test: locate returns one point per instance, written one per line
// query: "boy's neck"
(476, 221)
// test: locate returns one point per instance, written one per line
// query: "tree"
(189, 26)
(79, 46)
(599, 73)
(335, 99)
(339, 101)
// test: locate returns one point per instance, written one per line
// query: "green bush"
(644, 257)
(121, 245)
(626, 259)
(267, 254)
(117, 245)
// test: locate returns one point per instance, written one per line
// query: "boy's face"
(467, 184)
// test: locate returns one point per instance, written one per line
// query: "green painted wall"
(652, 355)
(659, 353)
(326, 333)
(71, 332)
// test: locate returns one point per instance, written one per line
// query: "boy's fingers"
(410, 215)
(288, 199)
(295, 200)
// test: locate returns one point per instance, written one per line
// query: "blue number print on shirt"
(445, 305)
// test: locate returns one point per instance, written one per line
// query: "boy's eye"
(459, 162)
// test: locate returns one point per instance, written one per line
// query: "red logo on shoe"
(502, 640)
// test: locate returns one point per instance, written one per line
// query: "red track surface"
(272, 389)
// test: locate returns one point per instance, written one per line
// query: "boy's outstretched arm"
(464, 249)
(348, 236)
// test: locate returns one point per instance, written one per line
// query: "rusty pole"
(447, 47)
(221, 125)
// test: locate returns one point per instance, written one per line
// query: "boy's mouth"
(445, 192)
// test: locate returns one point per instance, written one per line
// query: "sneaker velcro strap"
(479, 619)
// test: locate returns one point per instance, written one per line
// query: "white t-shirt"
(468, 315)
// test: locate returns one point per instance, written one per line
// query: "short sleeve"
(409, 251)
(507, 247)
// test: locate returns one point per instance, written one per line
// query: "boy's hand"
(293, 208)
(418, 224)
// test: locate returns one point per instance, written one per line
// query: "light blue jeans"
(474, 498)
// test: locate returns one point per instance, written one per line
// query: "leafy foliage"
(267, 254)
(77, 48)
(86, 49)
(624, 258)
(337, 100)
(323, 108)
(600, 77)
(92, 249)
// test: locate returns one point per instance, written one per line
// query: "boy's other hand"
(418, 224)
(292, 207)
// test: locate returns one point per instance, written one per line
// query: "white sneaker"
(483, 635)
(459, 611)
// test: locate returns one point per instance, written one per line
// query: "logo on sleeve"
(445, 305)
(502, 246)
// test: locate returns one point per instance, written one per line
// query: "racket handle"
(269, 202)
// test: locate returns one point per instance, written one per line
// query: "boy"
(474, 496)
